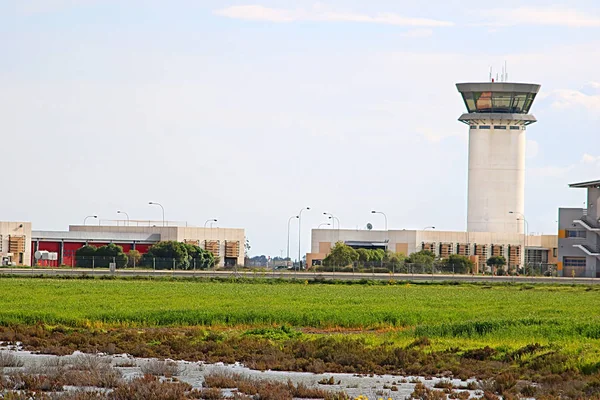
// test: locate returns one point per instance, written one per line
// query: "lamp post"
(324, 223)
(333, 218)
(163, 210)
(300, 235)
(127, 215)
(288, 240)
(384, 216)
(428, 227)
(211, 221)
(526, 227)
(89, 216)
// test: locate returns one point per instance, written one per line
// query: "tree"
(134, 257)
(364, 255)
(423, 257)
(341, 255)
(247, 246)
(496, 262)
(199, 257)
(459, 264)
(90, 256)
(184, 255)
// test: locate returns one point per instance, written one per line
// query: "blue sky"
(249, 111)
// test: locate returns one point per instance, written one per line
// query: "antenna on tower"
(490, 73)
(505, 71)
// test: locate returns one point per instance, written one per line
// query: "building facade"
(15, 243)
(540, 249)
(19, 243)
(498, 116)
(579, 235)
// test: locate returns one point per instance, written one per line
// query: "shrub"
(8, 359)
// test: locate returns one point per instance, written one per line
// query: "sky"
(249, 111)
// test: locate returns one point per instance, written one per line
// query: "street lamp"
(211, 221)
(127, 215)
(89, 216)
(300, 235)
(288, 241)
(333, 218)
(526, 227)
(324, 223)
(163, 210)
(428, 227)
(384, 216)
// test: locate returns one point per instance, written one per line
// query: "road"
(295, 275)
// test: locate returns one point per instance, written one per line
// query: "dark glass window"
(484, 127)
(528, 102)
(499, 126)
(518, 102)
(576, 234)
(483, 101)
(473, 126)
(574, 261)
(501, 102)
(515, 128)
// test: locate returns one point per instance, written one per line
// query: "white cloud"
(568, 98)
(590, 159)
(320, 13)
(418, 33)
(549, 16)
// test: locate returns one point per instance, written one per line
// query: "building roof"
(585, 184)
(498, 87)
(81, 236)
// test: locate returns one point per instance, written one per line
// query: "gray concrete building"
(579, 235)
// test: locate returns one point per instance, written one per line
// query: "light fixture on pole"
(300, 236)
(163, 210)
(333, 218)
(288, 237)
(428, 227)
(211, 221)
(324, 223)
(89, 216)
(127, 215)
(384, 216)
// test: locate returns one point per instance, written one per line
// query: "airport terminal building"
(19, 243)
(539, 249)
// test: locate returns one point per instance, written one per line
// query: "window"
(473, 126)
(499, 126)
(515, 128)
(574, 261)
(576, 234)
(554, 252)
(484, 127)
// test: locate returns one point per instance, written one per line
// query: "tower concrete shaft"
(497, 119)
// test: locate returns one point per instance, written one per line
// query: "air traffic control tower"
(498, 116)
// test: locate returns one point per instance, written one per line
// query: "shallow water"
(193, 373)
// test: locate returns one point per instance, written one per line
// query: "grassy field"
(545, 334)
(521, 314)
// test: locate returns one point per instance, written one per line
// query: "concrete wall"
(180, 234)
(8, 229)
(496, 178)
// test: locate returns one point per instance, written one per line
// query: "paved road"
(297, 275)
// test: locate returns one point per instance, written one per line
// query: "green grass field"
(521, 314)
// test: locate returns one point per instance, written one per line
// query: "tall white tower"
(498, 114)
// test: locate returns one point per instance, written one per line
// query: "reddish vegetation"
(505, 374)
